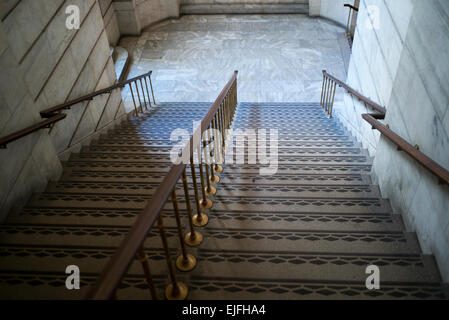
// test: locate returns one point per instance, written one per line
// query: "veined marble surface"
(279, 57)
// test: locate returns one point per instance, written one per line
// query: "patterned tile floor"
(279, 57)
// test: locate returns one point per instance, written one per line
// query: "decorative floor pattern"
(279, 56)
(307, 232)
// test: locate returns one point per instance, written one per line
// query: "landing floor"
(279, 57)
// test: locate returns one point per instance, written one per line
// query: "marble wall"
(135, 15)
(110, 21)
(44, 64)
(243, 6)
(404, 69)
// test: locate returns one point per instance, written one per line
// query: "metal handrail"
(329, 84)
(54, 115)
(349, 24)
(120, 262)
(66, 105)
(413, 151)
(31, 129)
(368, 102)
(351, 7)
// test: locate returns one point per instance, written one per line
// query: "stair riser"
(88, 166)
(319, 205)
(225, 178)
(218, 239)
(231, 264)
(282, 159)
(223, 190)
(217, 219)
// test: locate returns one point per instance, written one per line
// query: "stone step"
(88, 165)
(223, 203)
(165, 132)
(410, 268)
(131, 158)
(281, 144)
(217, 219)
(237, 150)
(70, 175)
(223, 189)
(349, 242)
(45, 285)
(282, 138)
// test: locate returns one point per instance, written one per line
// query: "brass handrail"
(222, 112)
(330, 80)
(27, 131)
(413, 151)
(328, 91)
(54, 114)
(352, 9)
(66, 105)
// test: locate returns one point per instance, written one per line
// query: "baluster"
(325, 92)
(134, 100)
(213, 177)
(322, 90)
(215, 137)
(205, 203)
(228, 102)
(143, 94)
(138, 95)
(185, 262)
(148, 91)
(348, 23)
(332, 102)
(222, 126)
(329, 95)
(193, 238)
(175, 290)
(146, 269)
(152, 91)
(210, 190)
(200, 219)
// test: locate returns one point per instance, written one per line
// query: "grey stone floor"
(279, 57)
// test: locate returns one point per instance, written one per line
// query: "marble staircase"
(307, 232)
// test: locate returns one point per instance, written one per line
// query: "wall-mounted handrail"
(351, 6)
(368, 102)
(352, 12)
(330, 82)
(402, 145)
(54, 115)
(219, 117)
(31, 129)
(66, 105)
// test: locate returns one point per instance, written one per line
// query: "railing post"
(193, 238)
(146, 269)
(175, 290)
(186, 261)
(205, 202)
(322, 89)
(138, 95)
(200, 219)
(217, 142)
(152, 91)
(148, 92)
(134, 99)
(213, 177)
(332, 101)
(143, 94)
